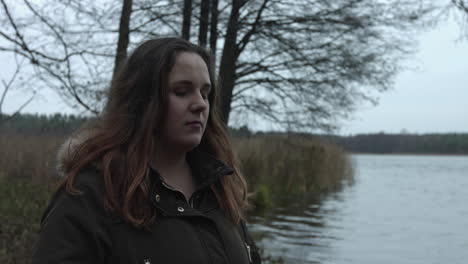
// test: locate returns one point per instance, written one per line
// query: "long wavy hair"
(123, 137)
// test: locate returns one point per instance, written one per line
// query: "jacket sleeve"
(254, 250)
(72, 231)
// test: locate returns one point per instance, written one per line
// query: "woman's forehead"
(189, 67)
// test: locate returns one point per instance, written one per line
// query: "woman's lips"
(194, 124)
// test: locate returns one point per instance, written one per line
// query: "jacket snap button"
(180, 209)
(158, 197)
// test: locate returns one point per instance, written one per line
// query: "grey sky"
(431, 98)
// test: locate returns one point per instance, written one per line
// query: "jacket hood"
(66, 150)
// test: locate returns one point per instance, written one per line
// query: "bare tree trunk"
(124, 31)
(187, 13)
(227, 68)
(214, 26)
(204, 19)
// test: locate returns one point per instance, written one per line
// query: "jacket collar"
(206, 170)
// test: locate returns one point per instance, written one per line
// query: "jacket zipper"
(248, 252)
(189, 202)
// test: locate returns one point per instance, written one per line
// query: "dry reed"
(293, 164)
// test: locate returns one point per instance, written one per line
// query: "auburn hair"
(121, 140)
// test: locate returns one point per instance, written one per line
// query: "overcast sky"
(431, 98)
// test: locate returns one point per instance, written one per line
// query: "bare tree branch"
(301, 64)
(7, 86)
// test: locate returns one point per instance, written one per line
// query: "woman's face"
(188, 106)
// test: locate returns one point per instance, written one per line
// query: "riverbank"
(271, 165)
(433, 143)
(411, 154)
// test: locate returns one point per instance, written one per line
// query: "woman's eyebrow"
(185, 82)
(189, 83)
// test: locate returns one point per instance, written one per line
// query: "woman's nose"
(199, 103)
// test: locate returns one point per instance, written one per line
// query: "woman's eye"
(205, 93)
(180, 93)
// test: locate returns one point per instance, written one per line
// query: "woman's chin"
(190, 143)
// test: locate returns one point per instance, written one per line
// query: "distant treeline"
(449, 143)
(61, 125)
(34, 124)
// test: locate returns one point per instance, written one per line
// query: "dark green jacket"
(77, 229)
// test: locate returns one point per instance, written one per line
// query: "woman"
(155, 179)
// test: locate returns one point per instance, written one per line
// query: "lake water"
(400, 209)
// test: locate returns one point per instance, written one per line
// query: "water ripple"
(401, 209)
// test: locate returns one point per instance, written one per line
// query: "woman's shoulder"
(90, 181)
(75, 226)
(88, 200)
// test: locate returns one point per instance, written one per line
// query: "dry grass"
(28, 156)
(26, 183)
(294, 164)
(21, 205)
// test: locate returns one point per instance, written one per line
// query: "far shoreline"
(407, 154)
